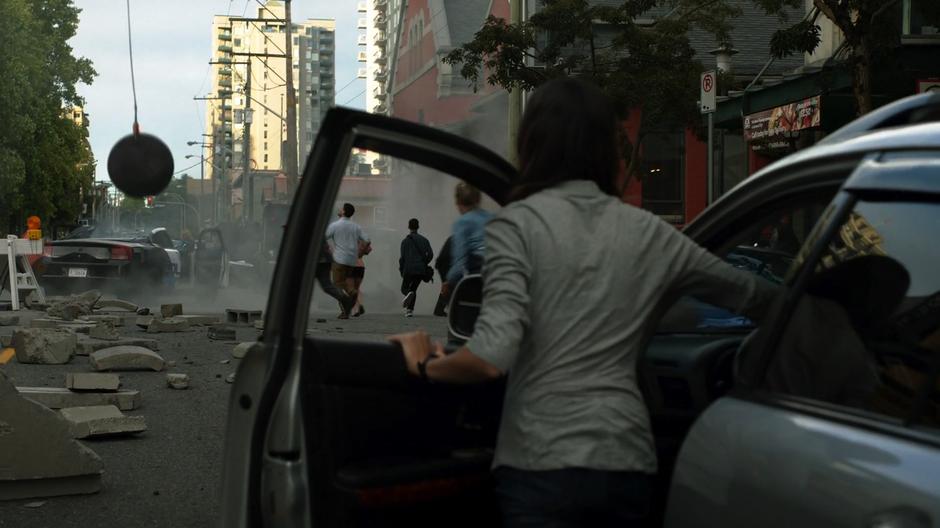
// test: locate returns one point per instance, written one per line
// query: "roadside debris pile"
(41, 424)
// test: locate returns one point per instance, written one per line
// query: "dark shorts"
(357, 273)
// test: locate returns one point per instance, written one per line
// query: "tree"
(870, 27)
(646, 68)
(45, 162)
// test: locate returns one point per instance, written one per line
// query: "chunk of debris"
(104, 331)
(76, 325)
(101, 420)
(225, 361)
(9, 320)
(73, 306)
(221, 333)
(86, 345)
(230, 378)
(114, 320)
(143, 311)
(59, 398)
(172, 324)
(170, 364)
(241, 349)
(44, 460)
(177, 381)
(44, 346)
(241, 317)
(92, 381)
(170, 310)
(126, 358)
(143, 321)
(199, 320)
(120, 304)
(35, 504)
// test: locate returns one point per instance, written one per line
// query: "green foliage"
(45, 161)
(648, 68)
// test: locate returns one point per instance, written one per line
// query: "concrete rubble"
(177, 381)
(101, 420)
(199, 320)
(116, 303)
(114, 320)
(92, 381)
(59, 398)
(44, 346)
(242, 317)
(9, 320)
(173, 324)
(105, 331)
(230, 378)
(241, 349)
(47, 461)
(143, 321)
(87, 346)
(171, 310)
(74, 306)
(75, 325)
(221, 333)
(126, 358)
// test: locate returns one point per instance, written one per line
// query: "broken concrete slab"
(114, 320)
(171, 310)
(230, 378)
(160, 326)
(47, 461)
(177, 381)
(73, 306)
(76, 326)
(59, 398)
(143, 321)
(86, 345)
(44, 346)
(84, 381)
(9, 320)
(126, 358)
(104, 331)
(120, 304)
(199, 320)
(101, 420)
(221, 333)
(242, 317)
(242, 349)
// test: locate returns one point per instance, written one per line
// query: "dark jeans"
(573, 497)
(410, 283)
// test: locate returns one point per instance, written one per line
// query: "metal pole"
(515, 94)
(202, 187)
(290, 160)
(247, 190)
(710, 161)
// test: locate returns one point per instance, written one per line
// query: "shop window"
(730, 161)
(921, 20)
(663, 170)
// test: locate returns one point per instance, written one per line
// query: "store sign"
(779, 122)
(928, 85)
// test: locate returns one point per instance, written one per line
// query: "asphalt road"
(169, 475)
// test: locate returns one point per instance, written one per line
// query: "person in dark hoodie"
(416, 254)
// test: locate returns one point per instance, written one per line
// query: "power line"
(346, 86)
(187, 168)
(356, 97)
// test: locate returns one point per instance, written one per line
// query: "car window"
(162, 239)
(765, 246)
(866, 332)
(383, 211)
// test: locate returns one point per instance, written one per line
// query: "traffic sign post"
(708, 88)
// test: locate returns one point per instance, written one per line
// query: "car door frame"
(264, 475)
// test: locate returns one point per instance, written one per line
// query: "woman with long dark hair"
(574, 284)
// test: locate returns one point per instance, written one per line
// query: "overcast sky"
(172, 47)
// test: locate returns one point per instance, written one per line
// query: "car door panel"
(386, 446)
(729, 476)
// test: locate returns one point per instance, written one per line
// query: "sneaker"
(343, 316)
(407, 300)
(409, 313)
(360, 311)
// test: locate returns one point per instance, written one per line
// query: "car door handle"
(900, 517)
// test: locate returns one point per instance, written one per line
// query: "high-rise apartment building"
(249, 74)
(383, 22)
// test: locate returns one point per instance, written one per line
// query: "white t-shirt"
(345, 236)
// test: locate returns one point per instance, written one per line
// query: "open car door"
(335, 433)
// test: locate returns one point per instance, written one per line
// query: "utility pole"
(515, 94)
(290, 159)
(247, 182)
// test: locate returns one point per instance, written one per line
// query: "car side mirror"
(465, 303)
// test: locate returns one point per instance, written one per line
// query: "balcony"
(381, 38)
(224, 60)
(361, 73)
(225, 48)
(226, 106)
(380, 108)
(361, 56)
(380, 75)
(380, 5)
(362, 23)
(225, 94)
(379, 19)
(226, 82)
(226, 36)
(379, 57)
(225, 72)
(362, 40)
(362, 7)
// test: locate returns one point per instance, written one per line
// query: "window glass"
(663, 171)
(866, 333)
(765, 246)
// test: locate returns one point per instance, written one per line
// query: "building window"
(265, 145)
(921, 20)
(265, 158)
(265, 134)
(296, 41)
(663, 170)
(238, 42)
